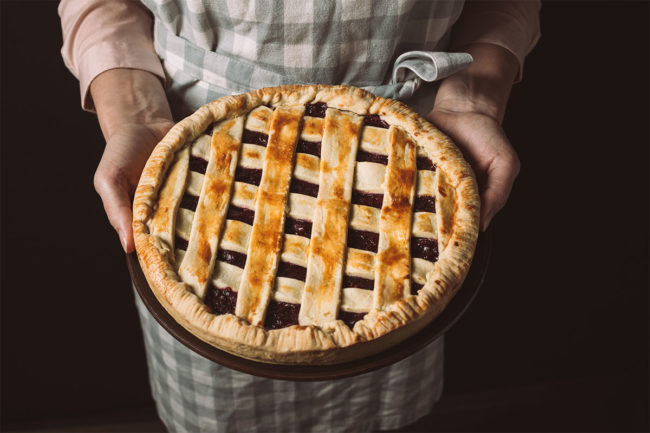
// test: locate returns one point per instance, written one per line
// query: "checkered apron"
(215, 48)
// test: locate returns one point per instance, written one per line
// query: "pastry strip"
(369, 177)
(364, 217)
(374, 140)
(420, 268)
(426, 182)
(164, 218)
(226, 276)
(425, 225)
(356, 300)
(210, 214)
(258, 119)
(201, 147)
(252, 156)
(236, 237)
(352, 299)
(194, 183)
(266, 237)
(295, 249)
(445, 209)
(322, 292)
(360, 263)
(392, 263)
(307, 168)
(184, 219)
(312, 129)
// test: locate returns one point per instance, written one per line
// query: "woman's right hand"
(134, 116)
(118, 172)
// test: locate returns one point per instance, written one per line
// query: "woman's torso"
(213, 48)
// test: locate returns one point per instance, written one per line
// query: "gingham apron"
(214, 48)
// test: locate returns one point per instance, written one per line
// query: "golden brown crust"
(393, 261)
(322, 292)
(266, 237)
(334, 342)
(210, 216)
(162, 224)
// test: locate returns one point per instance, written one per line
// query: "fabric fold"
(413, 67)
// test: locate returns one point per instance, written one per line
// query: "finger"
(115, 197)
(501, 175)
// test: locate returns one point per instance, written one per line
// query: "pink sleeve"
(513, 25)
(99, 35)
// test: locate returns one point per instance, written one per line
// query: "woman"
(140, 79)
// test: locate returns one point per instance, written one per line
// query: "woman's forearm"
(484, 87)
(129, 97)
(469, 107)
(510, 24)
(134, 115)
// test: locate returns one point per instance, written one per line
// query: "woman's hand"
(469, 108)
(134, 116)
(118, 172)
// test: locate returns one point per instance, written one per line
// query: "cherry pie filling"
(222, 300)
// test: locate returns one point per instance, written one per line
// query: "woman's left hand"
(486, 147)
(469, 108)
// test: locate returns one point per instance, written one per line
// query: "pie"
(305, 224)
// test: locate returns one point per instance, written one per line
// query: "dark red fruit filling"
(350, 318)
(374, 120)
(424, 248)
(221, 301)
(425, 163)
(363, 240)
(424, 203)
(252, 176)
(253, 137)
(301, 187)
(190, 202)
(198, 165)
(291, 270)
(358, 282)
(296, 226)
(316, 110)
(281, 315)
(367, 199)
(363, 156)
(309, 147)
(180, 243)
(240, 214)
(415, 287)
(232, 257)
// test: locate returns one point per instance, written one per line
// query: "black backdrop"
(556, 340)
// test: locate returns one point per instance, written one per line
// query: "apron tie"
(413, 67)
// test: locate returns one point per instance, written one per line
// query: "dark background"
(557, 339)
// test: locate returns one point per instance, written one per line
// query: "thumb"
(115, 197)
(501, 175)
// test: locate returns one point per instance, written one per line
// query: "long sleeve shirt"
(204, 49)
(99, 35)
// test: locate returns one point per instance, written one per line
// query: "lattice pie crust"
(305, 224)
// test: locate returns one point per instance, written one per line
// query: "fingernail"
(486, 222)
(122, 239)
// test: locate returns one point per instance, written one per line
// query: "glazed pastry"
(305, 224)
